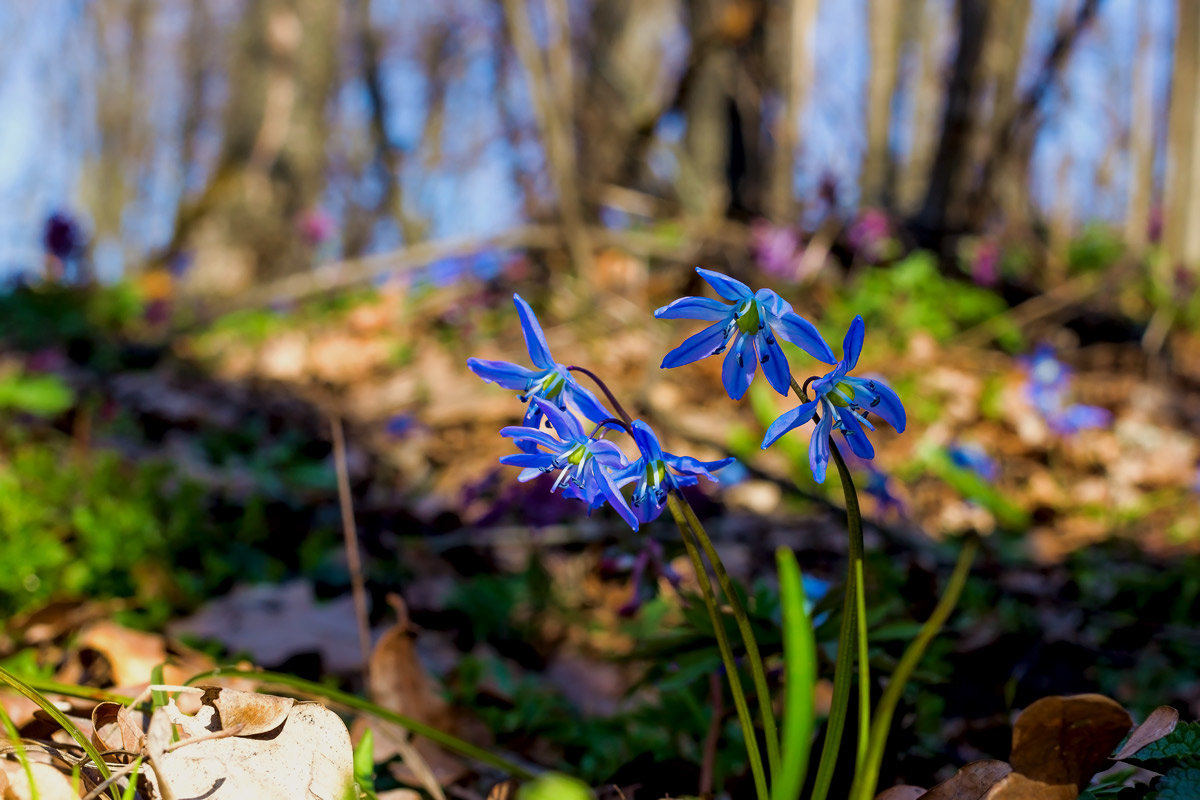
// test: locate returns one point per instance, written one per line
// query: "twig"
(712, 737)
(357, 586)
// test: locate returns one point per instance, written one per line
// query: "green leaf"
(44, 395)
(1181, 783)
(1180, 746)
(555, 787)
(800, 669)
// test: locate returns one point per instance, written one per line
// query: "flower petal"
(774, 304)
(535, 340)
(646, 441)
(740, 363)
(788, 420)
(880, 399)
(694, 308)
(791, 327)
(774, 363)
(507, 375)
(528, 460)
(852, 344)
(691, 466)
(585, 402)
(818, 445)
(696, 347)
(565, 424)
(855, 436)
(522, 434)
(730, 288)
(603, 483)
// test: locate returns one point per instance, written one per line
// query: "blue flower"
(658, 472)
(584, 464)
(548, 379)
(844, 402)
(1048, 382)
(748, 326)
(974, 458)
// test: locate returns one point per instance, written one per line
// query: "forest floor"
(187, 473)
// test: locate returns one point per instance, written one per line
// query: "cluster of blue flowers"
(745, 325)
(588, 468)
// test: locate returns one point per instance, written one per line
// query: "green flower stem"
(866, 780)
(864, 677)
(757, 671)
(853, 628)
(677, 506)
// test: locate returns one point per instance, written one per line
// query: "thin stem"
(358, 589)
(621, 412)
(864, 677)
(854, 526)
(731, 667)
(866, 781)
(853, 610)
(757, 671)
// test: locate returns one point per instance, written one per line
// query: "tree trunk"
(1178, 206)
(884, 27)
(1141, 143)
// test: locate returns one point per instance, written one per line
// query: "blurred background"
(227, 226)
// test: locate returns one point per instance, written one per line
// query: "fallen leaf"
(1067, 740)
(1161, 722)
(49, 782)
(115, 727)
(1016, 786)
(307, 755)
(272, 623)
(901, 792)
(399, 682)
(971, 782)
(251, 712)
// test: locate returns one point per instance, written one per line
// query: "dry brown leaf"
(1016, 786)
(50, 783)
(1161, 722)
(133, 655)
(115, 727)
(506, 790)
(307, 756)
(250, 712)
(971, 782)
(901, 792)
(1067, 740)
(399, 682)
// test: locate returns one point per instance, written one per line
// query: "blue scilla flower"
(844, 402)
(1048, 384)
(549, 380)
(585, 465)
(972, 457)
(748, 326)
(657, 472)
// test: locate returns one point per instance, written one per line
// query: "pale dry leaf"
(49, 782)
(1161, 722)
(971, 782)
(308, 756)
